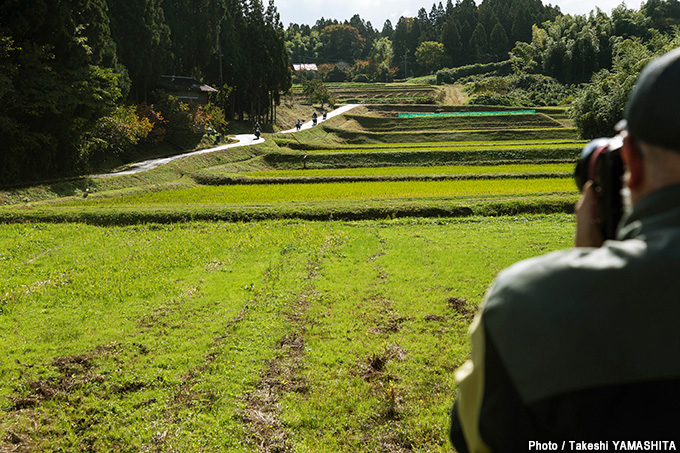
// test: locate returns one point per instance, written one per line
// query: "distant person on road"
(325, 114)
(257, 131)
(314, 119)
(581, 346)
(298, 124)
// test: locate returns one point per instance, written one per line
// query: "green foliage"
(143, 42)
(52, 89)
(573, 48)
(600, 104)
(332, 73)
(524, 89)
(317, 92)
(116, 135)
(498, 42)
(177, 115)
(447, 76)
(430, 55)
(342, 42)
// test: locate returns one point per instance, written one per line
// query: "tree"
(600, 105)
(662, 14)
(316, 91)
(52, 92)
(405, 41)
(430, 55)
(194, 26)
(452, 43)
(383, 53)
(498, 42)
(479, 44)
(143, 42)
(387, 30)
(342, 42)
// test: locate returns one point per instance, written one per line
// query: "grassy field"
(197, 306)
(274, 336)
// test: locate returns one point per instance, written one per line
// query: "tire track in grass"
(384, 424)
(187, 395)
(281, 375)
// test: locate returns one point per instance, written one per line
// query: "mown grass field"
(196, 307)
(275, 336)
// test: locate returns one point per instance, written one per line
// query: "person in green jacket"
(580, 349)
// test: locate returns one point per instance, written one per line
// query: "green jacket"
(581, 344)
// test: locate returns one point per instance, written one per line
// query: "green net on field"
(505, 112)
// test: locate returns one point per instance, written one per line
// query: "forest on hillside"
(569, 48)
(78, 78)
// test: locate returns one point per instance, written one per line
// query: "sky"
(377, 11)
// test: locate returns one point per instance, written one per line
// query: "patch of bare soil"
(437, 318)
(74, 373)
(385, 423)
(462, 307)
(454, 95)
(390, 325)
(372, 367)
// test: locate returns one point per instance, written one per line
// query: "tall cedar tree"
(143, 41)
(51, 88)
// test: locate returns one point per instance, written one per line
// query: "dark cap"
(653, 110)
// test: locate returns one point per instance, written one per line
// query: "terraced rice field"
(516, 169)
(498, 155)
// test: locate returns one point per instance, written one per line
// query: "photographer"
(578, 349)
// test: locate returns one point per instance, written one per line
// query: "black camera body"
(601, 163)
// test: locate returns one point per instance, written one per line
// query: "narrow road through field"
(243, 140)
(336, 112)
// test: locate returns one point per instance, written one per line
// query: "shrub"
(451, 75)
(332, 73)
(158, 131)
(118, 133)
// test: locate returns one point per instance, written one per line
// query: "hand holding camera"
(599, 175)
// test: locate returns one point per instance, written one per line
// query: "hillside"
(452, 160)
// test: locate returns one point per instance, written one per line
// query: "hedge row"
(489, 135)
(451, 75)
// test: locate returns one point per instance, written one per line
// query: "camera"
(601, 162)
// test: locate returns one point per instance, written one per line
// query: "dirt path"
(454, 95)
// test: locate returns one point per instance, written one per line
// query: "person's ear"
(632, 159)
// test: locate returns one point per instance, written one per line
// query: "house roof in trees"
(178, 83)
(305, 67)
